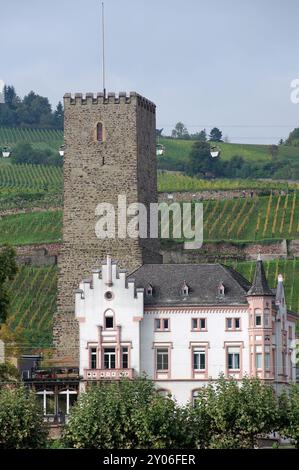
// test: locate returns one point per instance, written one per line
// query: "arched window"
(66, 400)
(47, 401)
(100, 132)
(109, 320)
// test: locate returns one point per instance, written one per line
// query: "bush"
(21, 422)
(23, 152)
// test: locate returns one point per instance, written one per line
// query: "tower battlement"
(112, 98)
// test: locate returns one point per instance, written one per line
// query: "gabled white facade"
(180, 348)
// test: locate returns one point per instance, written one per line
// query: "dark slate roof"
(203, 281)
(260, 284)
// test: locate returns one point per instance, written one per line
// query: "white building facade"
(183, 325)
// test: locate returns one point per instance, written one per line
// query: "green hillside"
(31, 227)
(33, 303)
(178, 150)
(288, 268)
(239, 219)
(39, 137)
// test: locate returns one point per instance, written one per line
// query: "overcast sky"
(207, 63)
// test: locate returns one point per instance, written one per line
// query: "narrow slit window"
(100, 132)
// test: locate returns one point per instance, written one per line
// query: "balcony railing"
(108, 374)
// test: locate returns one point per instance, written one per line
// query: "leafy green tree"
(21, 422)
(234, 416)
(58, 116)
(273, 151)
(200, 160)
(125, 415)
(23, 152)
(180, 131)
(8, 270)
(8, 373)
(202, 136)
(289, 413)
(215, 135)
(293, 138)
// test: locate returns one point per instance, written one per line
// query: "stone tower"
(110, 150)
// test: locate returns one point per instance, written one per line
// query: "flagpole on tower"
(103, 50)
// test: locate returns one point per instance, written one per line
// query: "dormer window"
(185, 289)
(149, 290)
(221, 289)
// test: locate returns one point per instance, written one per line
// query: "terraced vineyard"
(33, 302)
(33, 227)
(249, 219)
(28, 177)
(11, 136)
(288, 268)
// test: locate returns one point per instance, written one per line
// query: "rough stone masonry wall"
(99, 172)
(205, 195)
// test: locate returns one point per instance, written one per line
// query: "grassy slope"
(178, 150)
(240, 219)
(33, 303)
(38, 137)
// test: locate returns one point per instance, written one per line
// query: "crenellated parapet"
(111, 98)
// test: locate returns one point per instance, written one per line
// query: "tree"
(8, 270)
(180, 131)
(23, 152)
(202, 136)
(58, 116)
(200, 160)
(8, 373)
(289, 413)
(215, 135)
(125, 415)
(234, 416)
(273, 151)
(293, 138)
(21, 421)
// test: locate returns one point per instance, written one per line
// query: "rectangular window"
(199, 324)
(125, 357)
(258, 360)
(267, 361)
(108, 322)
(199, 359)
(93, 358)
(229, 323)
(161, 324)
(109, 358)
(233, 359)
(258, 320)
(267, 320)
(237, 323)
(162, 359)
